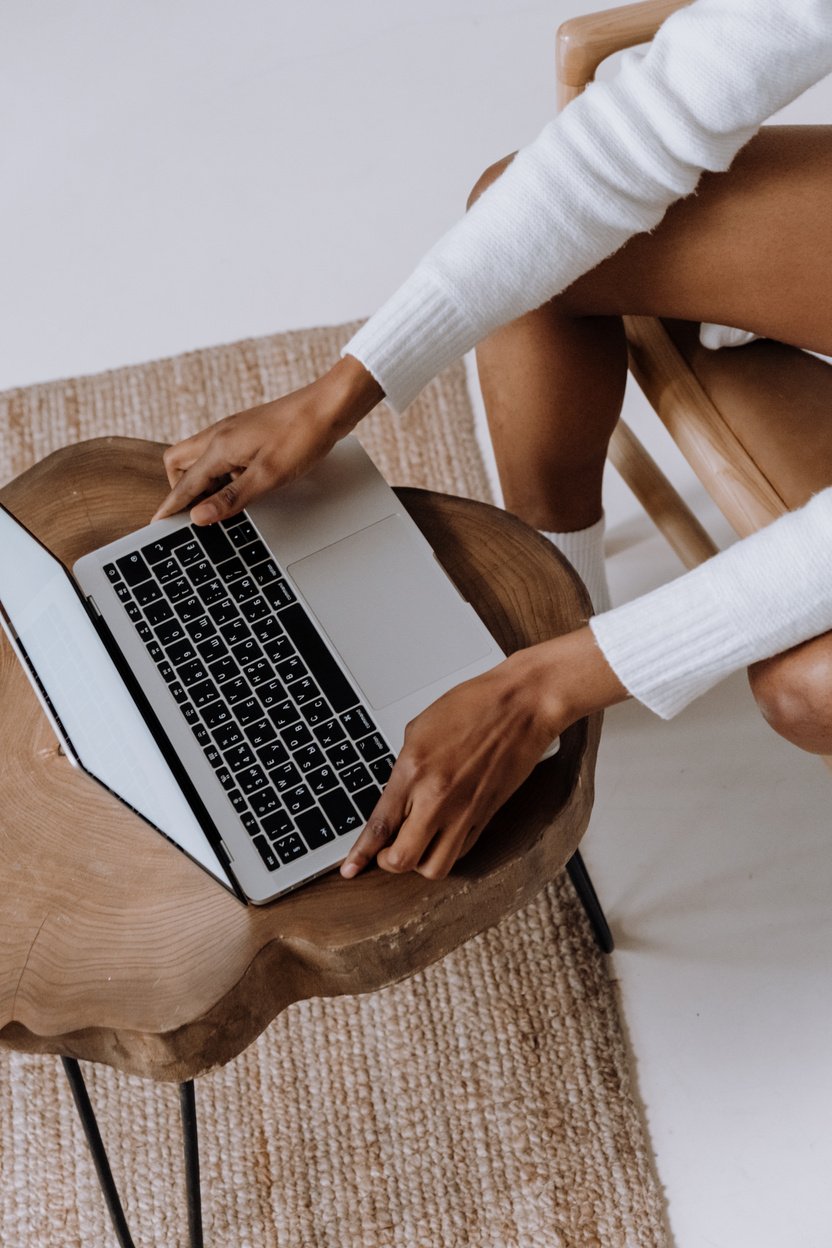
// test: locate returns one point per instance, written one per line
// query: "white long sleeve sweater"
(606, 168)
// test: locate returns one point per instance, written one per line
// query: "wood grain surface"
(115, 948)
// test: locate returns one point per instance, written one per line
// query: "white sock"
(584, 548)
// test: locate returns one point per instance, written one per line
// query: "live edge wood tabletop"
(115, 948)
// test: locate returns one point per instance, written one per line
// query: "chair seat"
(777, 402)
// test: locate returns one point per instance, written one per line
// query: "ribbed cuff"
(671, 645)
(412, 337)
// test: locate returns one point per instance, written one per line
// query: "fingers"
(202, 477)
(383, 824)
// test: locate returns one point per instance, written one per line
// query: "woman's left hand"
(466, 754)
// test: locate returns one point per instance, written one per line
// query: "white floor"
(187, 174)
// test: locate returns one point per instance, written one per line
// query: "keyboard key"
(316, 711)
(211, 648)
(251, 778)
(260, 733)
(178, 691)
(255, 552)
(264, 801)
(340, 812)
(266, 852)
(357, 722)
(225, 777)
(224, 611)
(123, 592)
(232, 522)
(245, 588)
(235, 631)
(170, 631)
(133, 568)
(355, 777)
(259, 672)
(167, 570)
(279, 594)
(133, 612)
(191, 673)
(305, 691)
(178, 589)
(242, 533)
(181, 652)
(322, 666)
(315, 829)
(216, 713)
(240, 756)
(201, 573)
(382, 767)
(190, 553)
(224, 669)
(147, 592)
(271, 694)
(372, 747)
(292, 669)
(296, 736)
(156, 652)
(158, 612)
(310, 757)
(264, 572)
(342, 755)
(214, 756)
(203, 693)
(268, 629)
(215, 542)
(227, 736)
(247, 651)
(273, 754)
(112, 571)
(249, 822)
(236, 690)
(230, 569)
(284, 776)
(166, 670)
(322, 780)
(297, 799)
(161, 549)
(366, 801)
(212, 591)
(144, 631)
(277, 825)
(201, 629)
(283, 714)
(239, 803)
(278, 649)
(189, 609)
(329, 733)
(290, 847)
(255, 609)
(199, 730)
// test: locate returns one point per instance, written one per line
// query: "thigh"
(751, 247)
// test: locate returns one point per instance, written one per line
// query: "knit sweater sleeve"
(606, 168)
(757, 598)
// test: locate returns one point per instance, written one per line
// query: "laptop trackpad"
(390, 611)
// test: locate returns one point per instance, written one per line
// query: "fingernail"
(349, 869)
(205, 513)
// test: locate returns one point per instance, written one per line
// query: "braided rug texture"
(483, 1103)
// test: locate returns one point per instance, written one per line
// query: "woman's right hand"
(242, 456)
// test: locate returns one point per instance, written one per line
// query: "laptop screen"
(82, 692)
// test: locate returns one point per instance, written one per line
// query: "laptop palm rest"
(396, 625)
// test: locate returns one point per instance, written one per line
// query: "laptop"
(245, 686)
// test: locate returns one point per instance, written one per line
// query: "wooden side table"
(120, 951)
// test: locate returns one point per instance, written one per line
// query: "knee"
(794, 692)
(490, 175)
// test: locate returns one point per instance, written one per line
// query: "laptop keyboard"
(296, 751)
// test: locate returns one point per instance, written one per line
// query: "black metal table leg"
(588, 898)
(99, 1155)
(187, 1104)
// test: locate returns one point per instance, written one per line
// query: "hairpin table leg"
(187, 1103)
(99, 1156)
(588, 898)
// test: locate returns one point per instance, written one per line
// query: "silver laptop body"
(351, 561)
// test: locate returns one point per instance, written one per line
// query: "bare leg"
(750, 248)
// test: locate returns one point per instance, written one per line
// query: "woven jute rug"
(483, 1103)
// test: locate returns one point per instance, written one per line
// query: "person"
(594, 219)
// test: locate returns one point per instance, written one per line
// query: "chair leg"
(187, 1104)
(588, 898)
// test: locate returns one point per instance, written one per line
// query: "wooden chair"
(724, 409)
